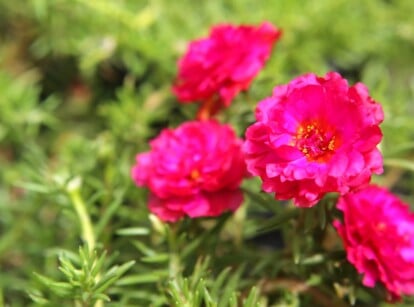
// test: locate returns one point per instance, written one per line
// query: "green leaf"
(230, 287)
(37, 298)
(275, 222)
(101, 296)
(144, 248)
(60, 288)
(315, 259)
(322, 215)
(109, 212)
(159, 258)
(121, 270)
(104, 283)
(133, 231)
(154, 276)
(400, 163)
(252, 298)
(98, 264)
(219, 282)
(208, 299)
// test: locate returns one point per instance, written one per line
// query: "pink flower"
(378, 234)
(215, 69)
(313, 136)
(195, 170)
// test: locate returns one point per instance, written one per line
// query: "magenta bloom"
(194, 170)
(378, 234)
(215, 69)
(313, 136)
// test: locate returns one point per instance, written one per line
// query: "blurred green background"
(84, 84)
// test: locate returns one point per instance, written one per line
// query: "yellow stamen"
(315, 140)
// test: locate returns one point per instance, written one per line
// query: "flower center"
(316, 140)
(195, 174)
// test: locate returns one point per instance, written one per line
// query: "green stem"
(85, 221)
(1, 298)
(88, 234)
(174, 265)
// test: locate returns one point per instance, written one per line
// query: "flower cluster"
(194, 170)
(378, 234)
(313, 136)
(215, 69)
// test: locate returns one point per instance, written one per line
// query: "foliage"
(85, 84)
(85, 281)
